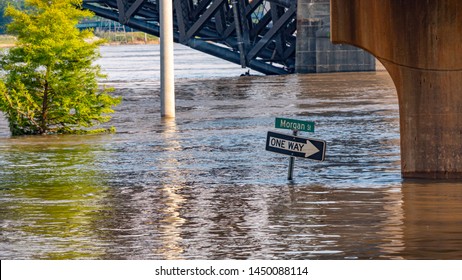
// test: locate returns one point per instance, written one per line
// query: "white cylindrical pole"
(167, 84)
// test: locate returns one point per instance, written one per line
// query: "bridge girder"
(258, 34)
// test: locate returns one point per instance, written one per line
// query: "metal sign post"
(291, 162)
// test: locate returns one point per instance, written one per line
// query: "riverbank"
(7, 41)
(112, 38)
(127, 38)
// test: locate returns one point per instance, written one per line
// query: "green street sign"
(294, 124)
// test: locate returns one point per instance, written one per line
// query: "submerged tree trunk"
(43, 123)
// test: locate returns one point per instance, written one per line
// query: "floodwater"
(203, 186)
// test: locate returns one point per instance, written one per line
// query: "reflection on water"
(50, 194)
(172, 220)
(203, 187)
(433, 220)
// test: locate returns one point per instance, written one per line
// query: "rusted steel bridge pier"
(419, 43)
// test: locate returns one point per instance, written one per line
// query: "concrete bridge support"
(315, 52)
(419, 43)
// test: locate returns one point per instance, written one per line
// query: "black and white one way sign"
(295, 146)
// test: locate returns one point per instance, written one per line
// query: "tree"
(51, 83)
(3, 4)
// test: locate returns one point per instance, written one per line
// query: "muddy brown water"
(203, 186)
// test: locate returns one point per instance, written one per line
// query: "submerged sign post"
(293, 145)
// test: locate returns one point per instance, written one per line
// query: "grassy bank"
(115, 38)
(7, 41)
(112, 38)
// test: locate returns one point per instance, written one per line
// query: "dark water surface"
(203, 186)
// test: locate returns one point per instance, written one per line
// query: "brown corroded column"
(420, 44)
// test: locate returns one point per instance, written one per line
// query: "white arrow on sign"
(307, 148)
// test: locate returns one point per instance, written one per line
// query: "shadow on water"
(203, 187)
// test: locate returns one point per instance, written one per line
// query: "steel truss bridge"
(256, 34)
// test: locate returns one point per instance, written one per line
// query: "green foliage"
(3, 4)
(51, 83)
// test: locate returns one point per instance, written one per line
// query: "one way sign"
(296, 146)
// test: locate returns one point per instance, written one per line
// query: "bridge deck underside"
(258, 34)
